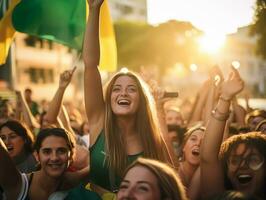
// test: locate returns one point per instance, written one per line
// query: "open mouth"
(195, 152)
(10, 149)
(123, 102)
(244, 178)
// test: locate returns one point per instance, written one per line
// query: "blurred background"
(175, 42)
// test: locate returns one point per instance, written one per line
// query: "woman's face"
(174, 118)
(125, 96)
(191, 149)
(54, 156)
(139, 184)
(246, 170)
(13, 142)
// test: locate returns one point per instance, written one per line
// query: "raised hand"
(95, 3)
(232, 85)
(66, 77)
(216, 75)
(18, 100)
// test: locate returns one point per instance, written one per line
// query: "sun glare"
(211, 43)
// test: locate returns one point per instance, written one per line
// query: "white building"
(241, 47)
(132, 10)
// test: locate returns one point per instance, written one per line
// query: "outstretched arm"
(210, 147)
(23, 110)
(10, 178)
(216, 78)
(94, 102)
(199, 103)
(239, 112)
(56, 103)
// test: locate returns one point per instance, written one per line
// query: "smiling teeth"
(124, 102)
(10, 148)
(244, 176)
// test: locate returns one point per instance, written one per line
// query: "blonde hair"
(146, 127)
(169, 182)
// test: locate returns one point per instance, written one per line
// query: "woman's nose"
(54, 156)
(128, 194)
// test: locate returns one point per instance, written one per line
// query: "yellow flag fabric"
(108, 59)
(64, 21)
(7, 32)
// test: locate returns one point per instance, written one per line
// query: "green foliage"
(259, 27)
(164, 45)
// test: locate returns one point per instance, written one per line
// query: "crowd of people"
(131, 144)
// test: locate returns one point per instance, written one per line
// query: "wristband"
(225, 98)
(216, 114)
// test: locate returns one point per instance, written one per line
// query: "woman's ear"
(36, 156)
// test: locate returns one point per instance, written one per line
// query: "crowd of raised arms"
(130, 142)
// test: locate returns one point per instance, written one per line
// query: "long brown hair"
(147, 128)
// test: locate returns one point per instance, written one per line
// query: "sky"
(211, 16)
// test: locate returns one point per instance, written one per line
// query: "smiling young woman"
(54, 150)
(241, 164)
(123, 122)
(147, 179)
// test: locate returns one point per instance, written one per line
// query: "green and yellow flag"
(64, 21)
(7, 32)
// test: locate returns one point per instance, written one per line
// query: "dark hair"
(180, 131)
(255, 113)
(21, 130)
(255, 140)
(59, 132)
(28, 90)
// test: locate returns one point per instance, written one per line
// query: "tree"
(162, 45)
(259, 27)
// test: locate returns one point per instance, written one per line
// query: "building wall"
(132, 10)
(38, 64)
(241, 47)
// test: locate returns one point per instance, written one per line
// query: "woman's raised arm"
(93, 92)
(211, 169)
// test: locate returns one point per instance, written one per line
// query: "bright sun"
(211, 43)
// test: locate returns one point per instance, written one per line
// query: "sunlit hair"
(255, 113)
(147, 127)
(169, 182)
(21, 130)
(252, 140)
(191, 130)
(186, 136)
(172, 108)
(58, 132)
